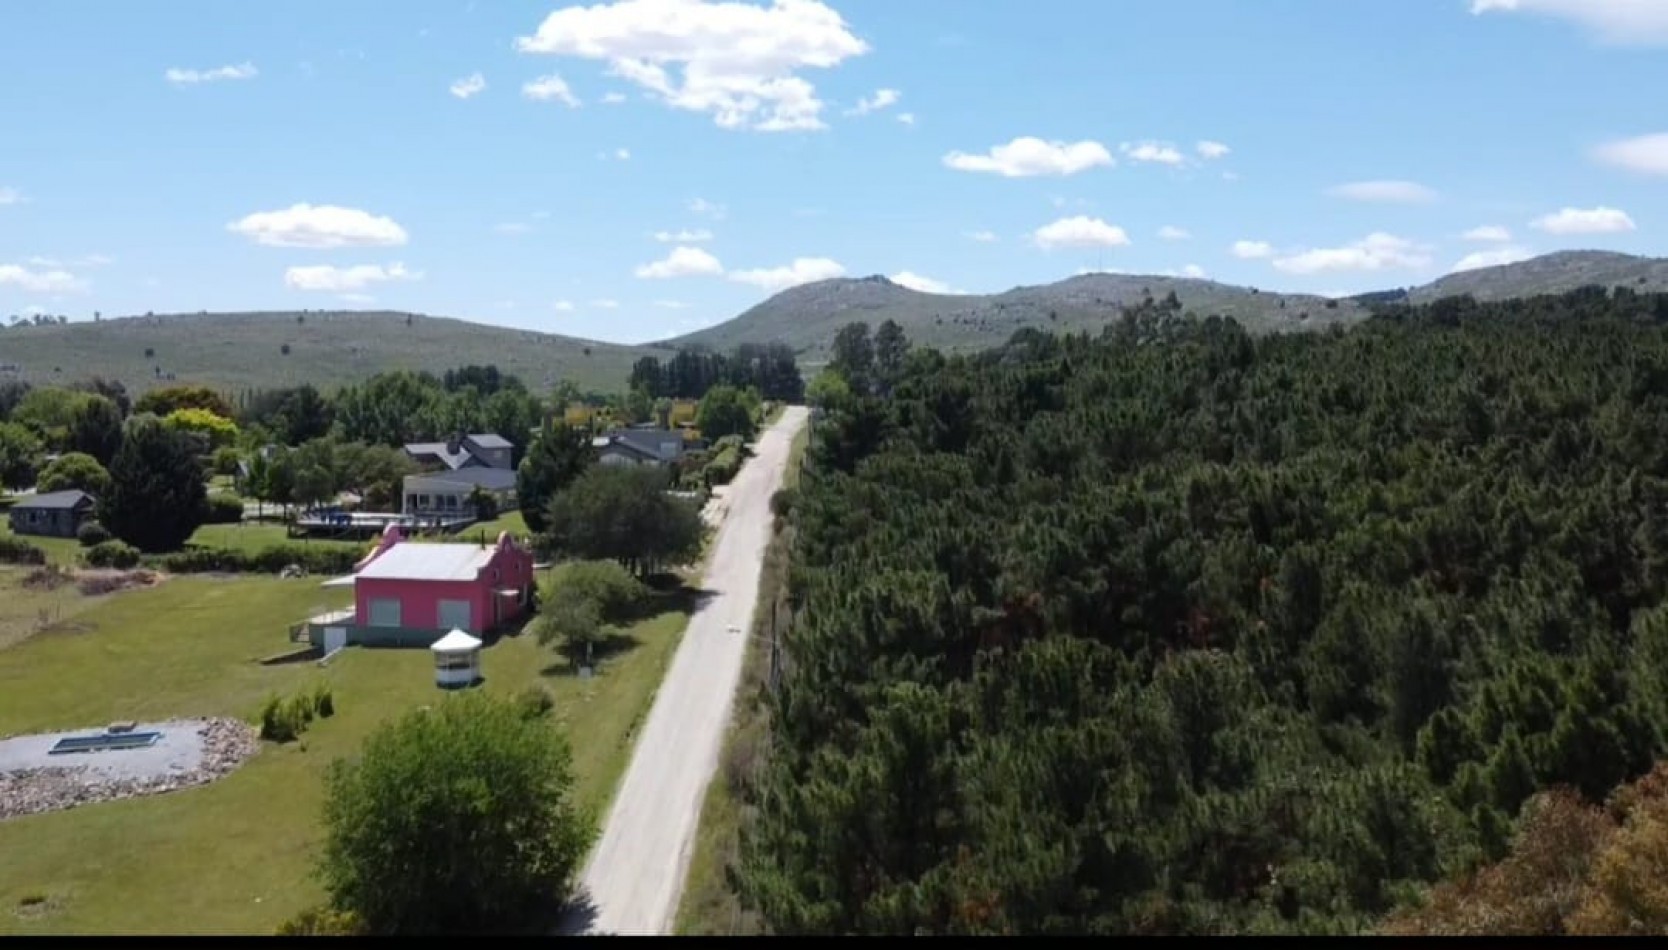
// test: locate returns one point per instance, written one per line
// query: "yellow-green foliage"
(219, 430)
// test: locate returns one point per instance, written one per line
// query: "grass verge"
(709, 907)
(236, 856)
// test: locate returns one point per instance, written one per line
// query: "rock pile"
(226, 744)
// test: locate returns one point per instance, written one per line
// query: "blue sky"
(691, 158)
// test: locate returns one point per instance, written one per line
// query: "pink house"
(412, 593)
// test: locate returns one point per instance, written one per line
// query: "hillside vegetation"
(1189, 631)
(807, 317)
(236, 351)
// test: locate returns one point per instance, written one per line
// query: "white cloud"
(882, 99)
(191, 77)
(1193, 271)
(1384, 192)
(346, 279)
(1600, 220)
(1155, 152)
(682, 262)
(1172, 233)
(1028, 157)
(1489, 233)
(925, 285)
(1209, 150)
(54, 281)
(1623, 22)
(605, 304)
(907, 118)
(1079, 231)
(803, 270)
(685, 236)
(704, 207)
(670, 304)
(551, 88)
(1252, 250)
(983, 237)
(1497, 257)
(512, 227)
(470, 85)
(1375, 252)
(613, 98)
(319, 226)
(622, 154)
(10, 196)
(562, 306)
(739, 63)
(1647, 154)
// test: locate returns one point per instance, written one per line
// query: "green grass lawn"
(236, 856)
(708, 906)
(24, 611)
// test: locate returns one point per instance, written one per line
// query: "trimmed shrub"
(18, 551)
(285, 719)
(722, 469)
(92, 533)
(781, 503)
(535, 702)
(116, 554)
(317, 560)
(223, 509)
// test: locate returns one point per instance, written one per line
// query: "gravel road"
(635, 874)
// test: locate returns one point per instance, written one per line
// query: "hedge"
(315, 560)
(223, 509)
(723, 468)
(17, 551)
(116, 554)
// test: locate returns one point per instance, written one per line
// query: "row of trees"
(1180, 630)
(769, 368)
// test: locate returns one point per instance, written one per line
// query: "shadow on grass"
(667, 594)
(575, 918)
(609, 647)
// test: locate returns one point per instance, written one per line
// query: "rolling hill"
(247, 350)
(807, 317)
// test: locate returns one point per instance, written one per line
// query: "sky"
(634, 170)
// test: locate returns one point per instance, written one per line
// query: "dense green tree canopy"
(726, 410)
(623, 513)
(157, 494)
(557, 457)
(74, 470)
(458, 819)
(1183, 631)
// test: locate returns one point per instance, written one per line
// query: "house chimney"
(454, 444)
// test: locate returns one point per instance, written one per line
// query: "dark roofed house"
(640, 447)
(447, 493)
(57, 514)
(477, 450)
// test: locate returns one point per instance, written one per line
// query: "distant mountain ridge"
(808, 316)
(234, 351)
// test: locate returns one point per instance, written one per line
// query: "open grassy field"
(24, 610)
(236, 856)
(708, 906)
(233, 351)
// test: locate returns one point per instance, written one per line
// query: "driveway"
(635, 875)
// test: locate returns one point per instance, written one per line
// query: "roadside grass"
(709, 907)
(237, 856)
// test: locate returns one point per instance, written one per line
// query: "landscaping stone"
(223, 745)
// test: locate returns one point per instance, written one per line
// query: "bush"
(116, 554)
(781, 503)
(225, 460)
(223, 509)
(315, 559)
(285, 719)
(723, 468)
(91, 533)
(535, 702)
(455, 819)
(322, 922)
(17, 551)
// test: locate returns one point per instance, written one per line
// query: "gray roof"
(439, 450)
(492, 479)
(416, 561)
(489, 440)
(56, 499)
(649, 441)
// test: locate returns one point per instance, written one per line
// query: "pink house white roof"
(416, 561)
